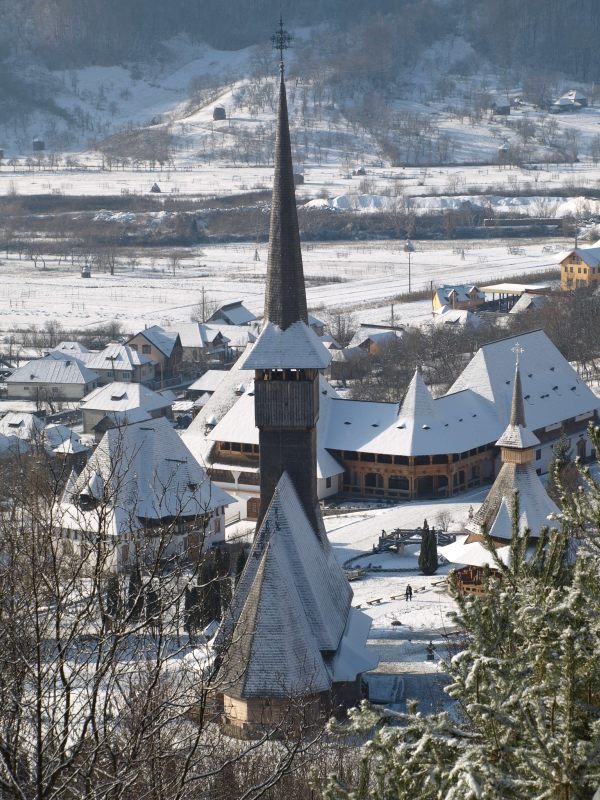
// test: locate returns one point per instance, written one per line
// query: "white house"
(119, 362)
(120, 404)
(56, 377)
(145, 497)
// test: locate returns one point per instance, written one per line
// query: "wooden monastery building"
(424, 447)
(291, 649)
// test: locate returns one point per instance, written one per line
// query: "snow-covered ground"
(401, 630)
(362, 278)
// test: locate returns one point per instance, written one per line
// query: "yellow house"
(580, 268)
(461, 296)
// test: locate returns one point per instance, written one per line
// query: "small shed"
(38, 145)
(501, 106)
(156, 188)
(219, 113)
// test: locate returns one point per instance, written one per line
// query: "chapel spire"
(285, 295)
(517, 441)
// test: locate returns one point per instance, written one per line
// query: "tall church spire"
(285, 296)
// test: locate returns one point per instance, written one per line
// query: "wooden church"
(292, 649)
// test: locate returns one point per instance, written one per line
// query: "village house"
(119, 404)
(458, 297)
(163, 347)
(372, 338)
(54, 378)
(234, 313)
(144, 494)
(236, 336)
(580, 268)
(201, 343)
(22, 433)
(119, 362)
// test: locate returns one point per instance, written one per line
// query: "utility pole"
(409, 248)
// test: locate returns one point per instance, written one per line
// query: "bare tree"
(102, 692)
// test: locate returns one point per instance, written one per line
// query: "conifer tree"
(428, 557)
(562, 473)
(526, 722)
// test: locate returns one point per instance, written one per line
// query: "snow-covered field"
(359, 277)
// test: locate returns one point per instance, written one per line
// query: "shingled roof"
(517, 435)
(290, 616)
(515, 479)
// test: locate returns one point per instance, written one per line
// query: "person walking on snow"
(408, 593)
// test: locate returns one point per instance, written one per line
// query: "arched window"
(373, 483)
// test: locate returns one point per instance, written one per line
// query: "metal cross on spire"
(281, 41)
(517, 350)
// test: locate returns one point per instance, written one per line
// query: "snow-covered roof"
(474, 412)
(291, 609)
(196, 335)
(296, 347)
(143, 471)
(528, 302)
(475, 554)
(118, 357)
(458, 293)
(120, 397)
(56, 370)
(163, 339)
(18, 430)
(552, 390)
(535, 506)
(455, 316)
(21, 424)
(61, 439)
(374, 333)
(71, 347)
(233, 314)
(237, 335)
(589, 255)
(209, 381)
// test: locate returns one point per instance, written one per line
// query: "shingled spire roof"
(517, 476)
(517, 434)
(285, 297)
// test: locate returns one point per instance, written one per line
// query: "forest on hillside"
(538, 34)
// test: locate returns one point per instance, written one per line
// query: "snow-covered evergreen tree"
(428, 556)
(526, 720)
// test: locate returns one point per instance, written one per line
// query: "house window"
(146, 349)
(538, 455)
(126, 376)
(328, 483)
